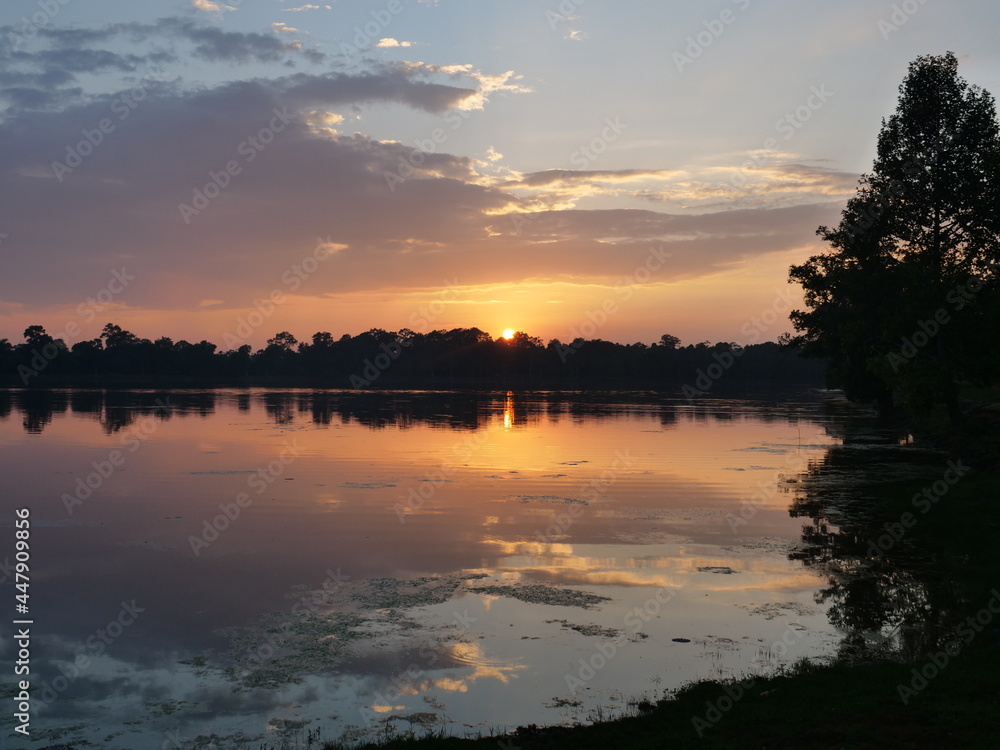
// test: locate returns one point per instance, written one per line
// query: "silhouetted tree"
(903, 302)
(669, 342)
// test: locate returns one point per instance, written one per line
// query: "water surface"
(334, 561)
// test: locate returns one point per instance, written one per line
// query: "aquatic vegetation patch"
(537, 593)
(328, 625)
(594, 630)
(394, 593)
(282, 650)
(771, 610)
(547, 499)
(717, 569)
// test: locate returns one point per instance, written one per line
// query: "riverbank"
(827, 707)
(944, 694)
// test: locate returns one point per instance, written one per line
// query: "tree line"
(378, 358)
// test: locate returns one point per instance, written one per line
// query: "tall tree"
(901, 304)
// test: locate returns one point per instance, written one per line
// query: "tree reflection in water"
(885, 589)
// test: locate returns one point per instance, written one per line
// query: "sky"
(225, 171)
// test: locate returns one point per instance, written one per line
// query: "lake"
(275, 565)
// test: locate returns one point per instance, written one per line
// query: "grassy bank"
(844, 705)
(831, 707)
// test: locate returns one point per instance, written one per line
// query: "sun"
(508, 333)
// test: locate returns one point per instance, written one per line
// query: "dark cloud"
(72, 38)
(27, 97)
(392, 85)
(28, 71)
(87, 60)
(210, 42)
(215, 45)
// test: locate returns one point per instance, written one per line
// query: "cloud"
(563, 188)
(43, 77)
(121, 206)
(278, 171)
(120, 200)
(551, 177)
(487, 84)
(214, 44)
(210, 7)
(759, 184)
(71, 48)
(390, 42)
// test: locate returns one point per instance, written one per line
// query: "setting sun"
(508, 333)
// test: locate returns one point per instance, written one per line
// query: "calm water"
(256, 565)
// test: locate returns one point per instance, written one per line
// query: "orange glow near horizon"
(688, 308)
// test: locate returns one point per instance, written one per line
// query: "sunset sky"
(617, 170)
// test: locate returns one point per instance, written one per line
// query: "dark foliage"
(379, 359)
